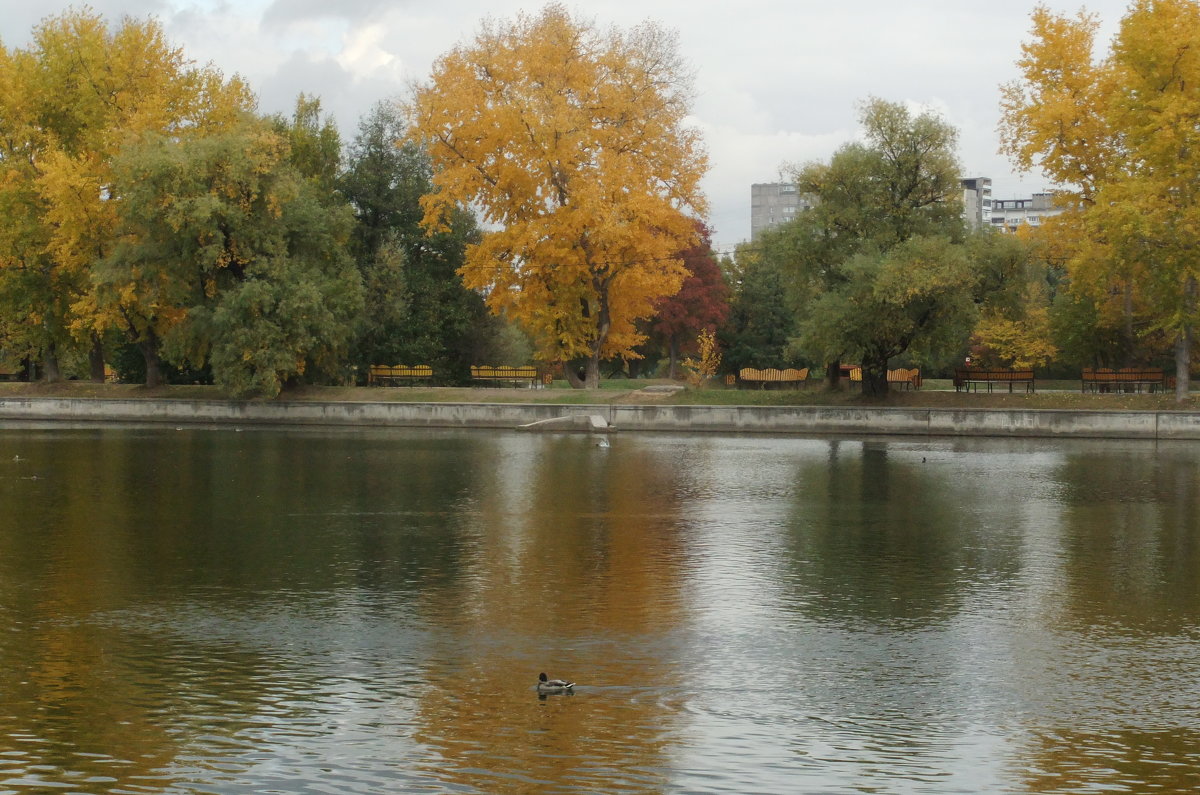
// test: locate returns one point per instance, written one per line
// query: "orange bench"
(392, 374)
(505, 374)
(771, 375)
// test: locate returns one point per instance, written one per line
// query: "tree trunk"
(1127, 310)
(96, 360)
(148, 345)
(591, 377)
(575, 371)
(1183, 364)
(673, 357)
(1183, 345)
(833, 375)
(874, 377)
(50, 364)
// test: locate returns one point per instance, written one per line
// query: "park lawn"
(936, 394)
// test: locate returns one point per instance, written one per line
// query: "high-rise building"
(1008, 214)
(977, 201)
(773, 203)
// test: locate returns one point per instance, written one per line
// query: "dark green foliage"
(879, 267)
(229, 256)
(761, 321)
(417, 310)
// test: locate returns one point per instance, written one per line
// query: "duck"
(547, 685)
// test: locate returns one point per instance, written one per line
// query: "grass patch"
(936, 394)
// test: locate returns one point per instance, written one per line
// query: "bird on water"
(547, 685)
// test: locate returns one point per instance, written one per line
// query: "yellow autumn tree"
(1121, 134)
(573, 142)
(68, 105)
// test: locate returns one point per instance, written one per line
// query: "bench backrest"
(401, 371)
(1154, 374)
(772, 374)
(992, 374)
(905, 376)
(503, 371)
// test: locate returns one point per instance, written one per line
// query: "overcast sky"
(777, 81)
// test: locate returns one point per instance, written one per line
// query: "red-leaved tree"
(701, 303)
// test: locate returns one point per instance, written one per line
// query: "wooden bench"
(1127, 379)
(905, 379)
(394, 374)
(968, 380)
(772, 376)
(505, 374)
(901, 378)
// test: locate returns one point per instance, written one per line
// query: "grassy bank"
(936, 394)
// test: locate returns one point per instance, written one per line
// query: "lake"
(222, 610)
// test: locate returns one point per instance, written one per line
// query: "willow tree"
(229, 255)
(68, 105)
(573, 143)
(1121, 134)
(881, 263)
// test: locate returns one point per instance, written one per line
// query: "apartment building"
(1009, 214)
(774, 203)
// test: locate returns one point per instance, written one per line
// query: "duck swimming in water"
(546, 685)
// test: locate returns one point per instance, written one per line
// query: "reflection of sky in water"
(359, 612)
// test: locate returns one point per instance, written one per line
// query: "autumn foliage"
(573, 143)
(1120, 134)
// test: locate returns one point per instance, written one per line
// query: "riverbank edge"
(786, 420)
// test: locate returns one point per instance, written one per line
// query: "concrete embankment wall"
(722, 419)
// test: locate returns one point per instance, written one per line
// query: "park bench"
(772, 376)
(505, 374)
(905, 379)
(1127, 379)
(901, 378)
(394, 374)
(968, 380)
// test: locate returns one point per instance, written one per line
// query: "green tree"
(228, 255)
(761, 320)
(417, 309)
(314, 144)
(880, 264)
(67, 106)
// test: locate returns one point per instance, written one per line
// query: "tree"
(226, 254)
(1014, 327)
(67, 106)
(1121, 135)
(314, 144)
(418, 310)
(702, 303)
(573, 142)
(761, 319)
(880, 263)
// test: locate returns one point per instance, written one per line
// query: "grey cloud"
(284, 12)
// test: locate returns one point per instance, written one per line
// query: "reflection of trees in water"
(577, 565)
(1132, 538)
(879, 537)
(1109, 759)
(125, 561)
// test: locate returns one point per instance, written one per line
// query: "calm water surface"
(214, 611)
